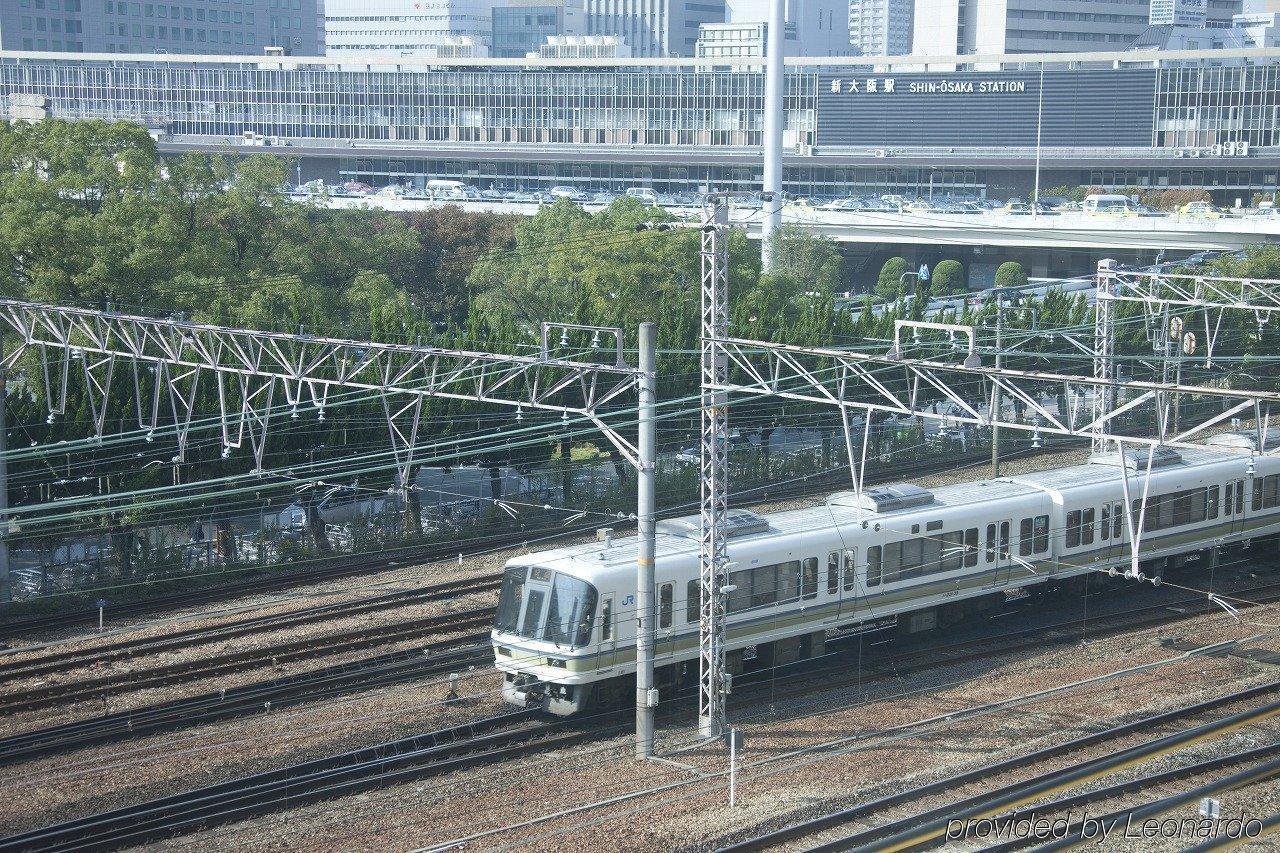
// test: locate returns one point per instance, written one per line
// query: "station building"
(889, 125)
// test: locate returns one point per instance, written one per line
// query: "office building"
(1179, 13)
(946, 27)
(719, 41)
(654, 28)
(523, 26)
(881, 27)
(359, 29)
(821, 26)
(1133, 122)
(184, 27)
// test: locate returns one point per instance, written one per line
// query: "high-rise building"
(821, 26)
(745, 39)
(945, 27)
(654, 27)
(522, 26)
(1179, 13)
(881, 27)
(356, 28)
(184, 26)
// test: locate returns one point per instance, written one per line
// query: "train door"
(608, 647)
(536, 594)
(1002, 552)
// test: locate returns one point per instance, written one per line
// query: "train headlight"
(560, 662)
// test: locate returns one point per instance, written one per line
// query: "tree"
(889, 284)
(948, 277)
(1011, 274)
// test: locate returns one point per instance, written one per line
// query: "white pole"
(774, 84)
(645, 526)
(1035, 193)
(733, 768)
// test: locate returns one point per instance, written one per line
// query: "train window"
(1239, 496)
(809, 578)
(1190, 506)
(1106, 522)
(952, 550)
(1004, 540)
(991, 543)
(1117, 512)
(850, 569)
(1229, 503)
(665, 604)
(532, 611)
(892, 561)
(789, 581)
(873, 565)
(1024, 538)
(1086, 527)
(912, 551)
(1257, 494)
(1041, 533)
(933, 525)
(1211, 503)
(764, 585)
(509, 600)
(740, 597)
(693, 601)
(833, 573)
(971, 547)
(606, 619)
(1073, 529)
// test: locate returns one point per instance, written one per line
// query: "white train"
(564, 634)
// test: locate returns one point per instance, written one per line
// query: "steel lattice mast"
(712, 683)
(1104, 342)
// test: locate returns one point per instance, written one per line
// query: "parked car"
(573, 194)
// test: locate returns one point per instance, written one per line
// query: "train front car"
(542, 637)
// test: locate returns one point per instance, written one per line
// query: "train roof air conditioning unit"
(890, 498)
(1245, 439)
(1135, 458)
(738, 522)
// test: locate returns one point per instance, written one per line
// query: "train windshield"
(538, 604)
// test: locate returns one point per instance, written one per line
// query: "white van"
(644, 194)
(1098, 203)
(440, 188)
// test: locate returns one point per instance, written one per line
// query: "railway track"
(99, 654)
(499, 738)
(428, 754)
(928, 827)
(330, 568)
(47, 695)
(263, 697)
(451, 656)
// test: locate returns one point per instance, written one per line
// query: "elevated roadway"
(1072, 230)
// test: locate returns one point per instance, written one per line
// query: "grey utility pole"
(774, 95)
(646, 695)
(712, 683)
(1104, 344)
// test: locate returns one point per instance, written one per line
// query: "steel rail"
(925, 827)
